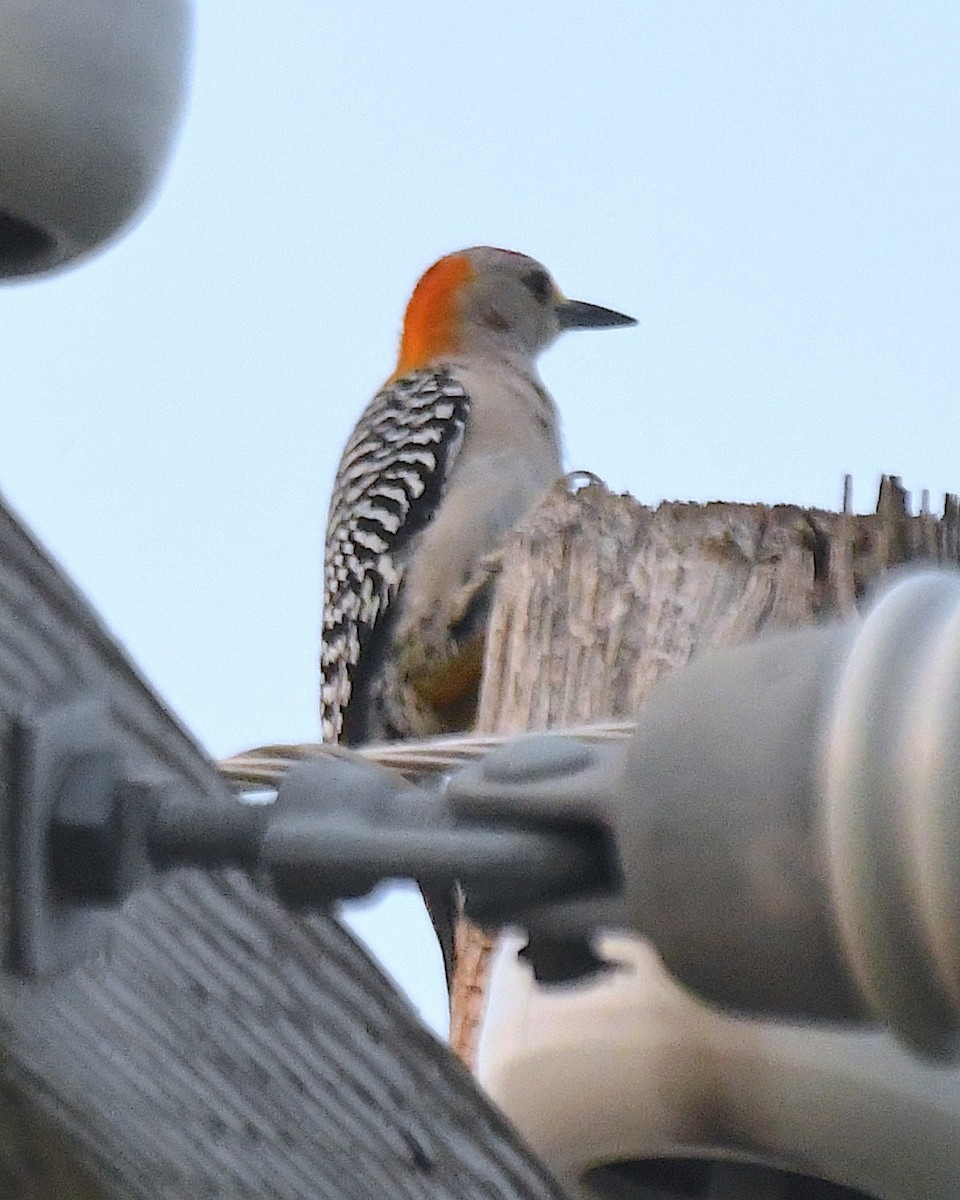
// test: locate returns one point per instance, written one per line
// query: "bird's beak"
(576, 314)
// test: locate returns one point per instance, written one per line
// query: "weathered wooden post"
(601, 597)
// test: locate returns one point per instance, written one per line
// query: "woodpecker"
(446, 458)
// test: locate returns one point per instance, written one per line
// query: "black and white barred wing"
(391, 479)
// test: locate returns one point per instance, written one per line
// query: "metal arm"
(784, 826)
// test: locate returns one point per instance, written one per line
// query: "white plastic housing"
(629, 1066)
(91, 93)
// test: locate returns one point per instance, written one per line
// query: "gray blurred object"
(91, 94)
(783, 826)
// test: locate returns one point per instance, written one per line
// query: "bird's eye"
(539, 284)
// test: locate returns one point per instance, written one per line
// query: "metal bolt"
(97, 841)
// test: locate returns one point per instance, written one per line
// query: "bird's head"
(489, 301)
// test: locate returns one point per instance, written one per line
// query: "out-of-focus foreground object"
(784, 824)
(91, 94)
(630, 1088)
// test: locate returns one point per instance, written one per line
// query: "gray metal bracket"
(87, 831)
(50, 927)
(783, 826)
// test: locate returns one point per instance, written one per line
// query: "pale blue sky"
(772, 189)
